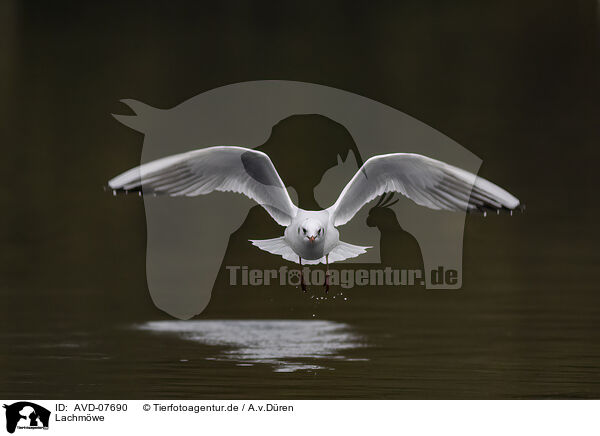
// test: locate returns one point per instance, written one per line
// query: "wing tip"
(120, 191)
(483, 210)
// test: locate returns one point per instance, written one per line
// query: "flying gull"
(311, 236)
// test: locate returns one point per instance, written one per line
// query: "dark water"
(515, 337)
(517, 84)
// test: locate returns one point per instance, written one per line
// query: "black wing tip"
(120, 191)
(485, 209)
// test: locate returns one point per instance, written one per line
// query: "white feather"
(200, 172)
(428, 182)
(279, 246)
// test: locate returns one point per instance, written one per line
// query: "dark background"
(514, 82)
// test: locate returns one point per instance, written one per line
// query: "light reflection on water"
(284, 344)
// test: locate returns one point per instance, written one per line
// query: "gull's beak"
(311, 238)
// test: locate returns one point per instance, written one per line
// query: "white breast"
(300, 244)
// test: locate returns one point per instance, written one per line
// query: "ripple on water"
(284, 344)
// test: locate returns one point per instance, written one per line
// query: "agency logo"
(296, 147)
(26, 415)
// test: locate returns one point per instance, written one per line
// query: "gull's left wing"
(428, 182)
(227, 168)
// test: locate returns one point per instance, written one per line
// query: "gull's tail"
(343, 251)
(279, 246)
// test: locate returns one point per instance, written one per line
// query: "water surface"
(284, 345)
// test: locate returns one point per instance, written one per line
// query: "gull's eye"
(320, 231)
(304, 230)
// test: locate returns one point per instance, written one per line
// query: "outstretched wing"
(200, 172)
(428, 182)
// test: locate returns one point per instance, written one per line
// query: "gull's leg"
(327, 274)
(302, 284)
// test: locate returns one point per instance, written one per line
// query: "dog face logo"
(26, 415)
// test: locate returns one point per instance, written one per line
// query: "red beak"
(311, 238)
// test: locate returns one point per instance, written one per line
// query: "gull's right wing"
(226, 168)
(427, 182)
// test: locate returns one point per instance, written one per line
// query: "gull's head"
(311, 230)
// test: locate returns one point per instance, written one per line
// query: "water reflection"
(285, 344)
